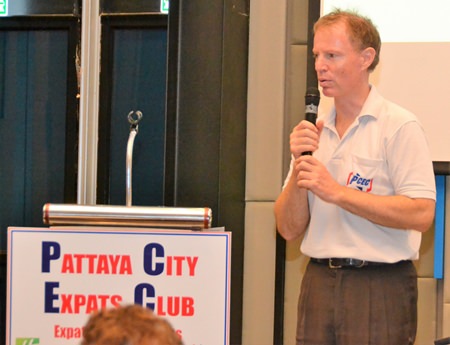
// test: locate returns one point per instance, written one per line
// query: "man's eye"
(327, 56)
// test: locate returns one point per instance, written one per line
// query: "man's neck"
(349, 107)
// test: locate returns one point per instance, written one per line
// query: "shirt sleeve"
(410, 162)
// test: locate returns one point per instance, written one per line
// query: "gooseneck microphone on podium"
(191, 218)
(312, 99)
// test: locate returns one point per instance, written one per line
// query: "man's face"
(338, 65)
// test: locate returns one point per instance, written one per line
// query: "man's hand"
(314, 176)
(305, 137)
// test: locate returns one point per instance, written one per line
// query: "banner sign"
(58, 276)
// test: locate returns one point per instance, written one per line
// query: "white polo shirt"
(383, 152)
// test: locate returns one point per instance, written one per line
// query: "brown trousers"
(373, 305)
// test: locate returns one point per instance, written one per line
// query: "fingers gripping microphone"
(312, 99)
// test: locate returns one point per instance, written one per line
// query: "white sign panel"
(57, 277)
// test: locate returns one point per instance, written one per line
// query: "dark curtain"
(33, 67)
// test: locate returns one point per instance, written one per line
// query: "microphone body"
(312, 99)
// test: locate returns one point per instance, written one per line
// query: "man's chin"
(327, 92)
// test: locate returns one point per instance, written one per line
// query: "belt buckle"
(351, 262)
(331, 265)
(362, 264)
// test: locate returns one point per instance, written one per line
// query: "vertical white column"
(89, 96)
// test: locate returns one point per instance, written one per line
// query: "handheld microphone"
(312, 99)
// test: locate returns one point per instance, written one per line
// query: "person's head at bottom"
(128, 325)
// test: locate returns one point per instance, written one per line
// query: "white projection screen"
(414, 69)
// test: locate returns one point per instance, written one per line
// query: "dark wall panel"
(133, 78)
(129, 6)
(139, 83)
(32, 127)
(199, 99)
(211, 127)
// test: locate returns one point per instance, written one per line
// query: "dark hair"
(363, 33)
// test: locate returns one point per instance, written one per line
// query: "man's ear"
(367, 55)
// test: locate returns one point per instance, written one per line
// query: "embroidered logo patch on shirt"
(358, 182)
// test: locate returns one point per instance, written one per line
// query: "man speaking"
(360, 200)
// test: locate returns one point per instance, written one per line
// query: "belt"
(347, 262)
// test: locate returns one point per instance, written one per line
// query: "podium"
(100, 256)
(57, 276)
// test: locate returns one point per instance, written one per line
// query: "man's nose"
(319, 64)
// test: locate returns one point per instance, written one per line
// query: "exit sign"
(4, 7)
(164, 6)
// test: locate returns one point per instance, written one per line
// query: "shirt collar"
(371, 108)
